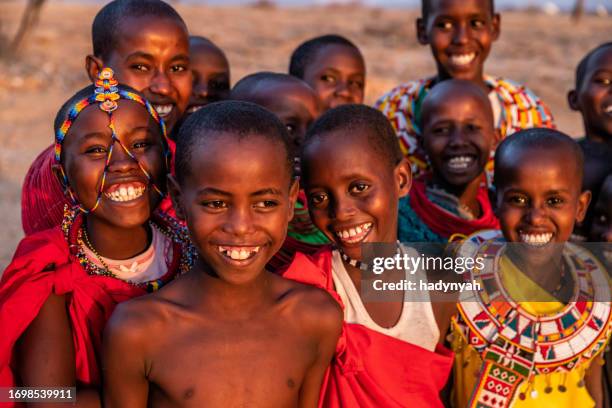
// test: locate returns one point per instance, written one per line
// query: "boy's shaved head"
(251, 85)
(233, 119)
(306, 52)
(581, 69)
(105, 29)
(448, 89)
(543, 139)
(351, 119)
(426, 6)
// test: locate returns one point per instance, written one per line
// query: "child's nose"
(201, 90)
(239, 222)
(120, 160)
(343, 209)
(536, 216)
(160, 83)
(342, 90)
(461, 34)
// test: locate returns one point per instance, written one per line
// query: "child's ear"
(293, 194)
(174, 189)
(572, 100)
(93, 65)
(403, 176)
(496, 26)
(583, 205)
(421, 30)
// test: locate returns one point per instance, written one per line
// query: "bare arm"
(327, 330)
(594, 381)
(45, 354)
(123, 362)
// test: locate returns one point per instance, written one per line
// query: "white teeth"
(354, 234)
(122, 193)
(460, 162)
(608, 109)
(463, 59)
(238, 253)
(536, 239)
(163, 110)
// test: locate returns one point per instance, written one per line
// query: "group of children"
(189, 243)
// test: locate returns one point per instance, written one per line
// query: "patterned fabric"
(520, 109)
(525, 346)
(301, 227)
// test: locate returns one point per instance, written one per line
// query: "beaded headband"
(106, 94)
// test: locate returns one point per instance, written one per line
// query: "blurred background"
(43, 44)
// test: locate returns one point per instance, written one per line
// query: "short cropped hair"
(536, 138)
(105, 31)
(425, 5)
(307, 51)
(352, 118)
(246, 87)
(584, 62)
(240, 120)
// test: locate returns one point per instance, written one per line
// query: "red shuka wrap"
(371, 369)
(443, 222)
(27, 283)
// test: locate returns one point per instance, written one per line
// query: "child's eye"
(96, 150)
(178, 68)
(472, 127)
(215, 204)
(478, 23)
(218, 85)
(318, 198)
(291, 128)
(603, 81)
(442, 130)
(517, 200)
(328, 78)
(359, 188)
(140, 67)
(444, 25)
(140, 145)
(266, 204)
(555, 201)
(356, 84)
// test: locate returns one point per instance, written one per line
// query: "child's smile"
(125, 191)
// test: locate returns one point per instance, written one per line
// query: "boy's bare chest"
(231, 365)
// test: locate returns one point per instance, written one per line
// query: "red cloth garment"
(43, 265)
(42, 197)
(371, 369)
(445, 223)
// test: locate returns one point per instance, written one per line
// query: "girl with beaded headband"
(111, 156)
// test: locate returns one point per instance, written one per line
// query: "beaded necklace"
(183, 252)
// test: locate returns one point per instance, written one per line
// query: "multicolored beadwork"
(106, 94)
(184, 253)
(516, 345)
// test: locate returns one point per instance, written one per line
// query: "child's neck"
(117, 243)
(466, 194)
(600, 138)
(228, 299)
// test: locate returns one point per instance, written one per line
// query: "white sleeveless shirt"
(416, 325)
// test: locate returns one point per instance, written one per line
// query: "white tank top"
(416, 325)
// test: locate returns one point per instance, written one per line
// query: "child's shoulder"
(403, 94)
(311, 307)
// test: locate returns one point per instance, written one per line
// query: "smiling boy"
(535, 336)
(458, 131)
(460, 34)
(227, 333)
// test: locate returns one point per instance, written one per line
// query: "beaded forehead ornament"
(106, 94)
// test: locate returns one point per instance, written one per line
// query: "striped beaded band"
(106, 94)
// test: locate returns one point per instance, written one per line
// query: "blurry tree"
(29, 19)
(578, 10)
